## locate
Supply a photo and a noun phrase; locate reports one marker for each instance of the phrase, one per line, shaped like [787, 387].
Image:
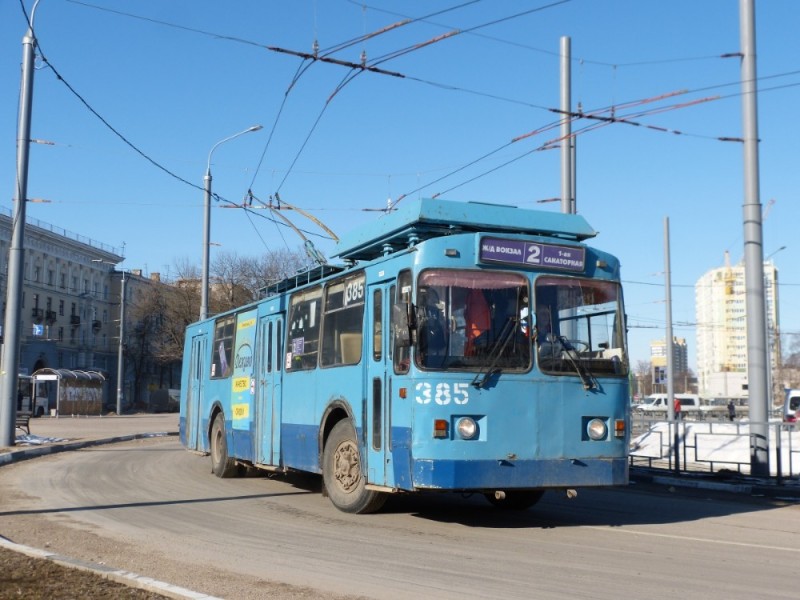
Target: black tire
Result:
[515, 499]
[221, 464]
[341, 473]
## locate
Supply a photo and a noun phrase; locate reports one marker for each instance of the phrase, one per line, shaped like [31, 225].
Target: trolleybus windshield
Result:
[579, 326]
[472, 320]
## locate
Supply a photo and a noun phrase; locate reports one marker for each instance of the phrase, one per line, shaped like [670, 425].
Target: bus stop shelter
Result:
[77, 392]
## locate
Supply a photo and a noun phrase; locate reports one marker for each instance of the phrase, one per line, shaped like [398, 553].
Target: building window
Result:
[61, 308]
[63, 281]
[60, 334]
[50, 277]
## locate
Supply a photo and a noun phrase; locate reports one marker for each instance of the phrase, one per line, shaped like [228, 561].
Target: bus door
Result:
[377, 421]
[194, 395]
[268, 390]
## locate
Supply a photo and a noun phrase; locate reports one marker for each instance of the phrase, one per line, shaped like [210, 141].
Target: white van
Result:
[659, 403]
[791, 407]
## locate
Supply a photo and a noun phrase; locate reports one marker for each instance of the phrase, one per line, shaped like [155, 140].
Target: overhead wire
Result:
[326, 55]
[424, 19]
[305, 55]
[551, 52]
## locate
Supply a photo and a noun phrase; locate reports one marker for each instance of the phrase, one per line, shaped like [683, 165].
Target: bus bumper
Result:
[519, 474]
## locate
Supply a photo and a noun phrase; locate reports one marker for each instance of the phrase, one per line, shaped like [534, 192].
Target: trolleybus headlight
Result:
[596, 429]
[467, 428]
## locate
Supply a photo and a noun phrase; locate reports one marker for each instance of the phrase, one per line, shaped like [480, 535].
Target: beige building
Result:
[722, 329]
[70, 302]
[680, 355]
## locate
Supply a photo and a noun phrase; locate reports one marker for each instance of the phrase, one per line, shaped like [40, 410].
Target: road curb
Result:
[117, 575]
[749, 488]
[24, 453]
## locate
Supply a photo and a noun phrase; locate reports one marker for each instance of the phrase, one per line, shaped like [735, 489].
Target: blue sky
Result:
[173, 91]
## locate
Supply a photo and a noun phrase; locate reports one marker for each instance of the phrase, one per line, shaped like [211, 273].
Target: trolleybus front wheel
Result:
[222, 465]
[514, 499]
[341, 472]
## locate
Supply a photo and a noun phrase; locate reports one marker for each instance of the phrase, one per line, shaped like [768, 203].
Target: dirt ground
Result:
[23, 576]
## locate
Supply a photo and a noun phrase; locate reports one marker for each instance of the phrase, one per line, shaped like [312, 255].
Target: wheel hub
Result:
[347, 469]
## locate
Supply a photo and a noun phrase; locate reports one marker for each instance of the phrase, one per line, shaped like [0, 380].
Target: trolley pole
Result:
[9, 369]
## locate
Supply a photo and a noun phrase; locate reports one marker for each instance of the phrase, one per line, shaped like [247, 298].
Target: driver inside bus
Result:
[432, 340]
[543, 332]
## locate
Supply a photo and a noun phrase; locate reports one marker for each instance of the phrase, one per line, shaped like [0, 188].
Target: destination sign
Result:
[532, 254]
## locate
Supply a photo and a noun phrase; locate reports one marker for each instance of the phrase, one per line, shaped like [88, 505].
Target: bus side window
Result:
[223, 346]
[343, 322]
[278, 340]
[402, 354]
[269, 348]
[377, 330]
[303, 330]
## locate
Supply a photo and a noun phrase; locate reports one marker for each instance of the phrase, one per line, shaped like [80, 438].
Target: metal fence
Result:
[712, 446]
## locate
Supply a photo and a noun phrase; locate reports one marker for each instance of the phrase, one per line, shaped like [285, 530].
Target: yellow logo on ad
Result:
[241, 411]
[241, 384]
[247, 323]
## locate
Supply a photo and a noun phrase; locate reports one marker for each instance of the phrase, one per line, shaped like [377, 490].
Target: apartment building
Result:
[71, 305]
[722, 329]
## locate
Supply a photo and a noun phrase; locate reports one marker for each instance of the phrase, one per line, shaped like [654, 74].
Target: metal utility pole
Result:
[668, 345]
[9, 369]
[121, 346]
[566, 128]
[753, 251]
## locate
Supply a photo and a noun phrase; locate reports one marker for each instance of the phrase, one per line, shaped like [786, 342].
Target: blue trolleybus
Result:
[461, 347]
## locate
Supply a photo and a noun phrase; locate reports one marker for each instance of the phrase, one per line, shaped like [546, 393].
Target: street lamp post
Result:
[207, 221]
[120, 344]
[16, 256]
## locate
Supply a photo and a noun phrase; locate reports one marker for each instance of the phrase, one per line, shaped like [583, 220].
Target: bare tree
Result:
[229, 283]
[643, 373]
[237, 280]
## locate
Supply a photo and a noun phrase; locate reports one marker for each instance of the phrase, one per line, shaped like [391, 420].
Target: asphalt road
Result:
[151, 507]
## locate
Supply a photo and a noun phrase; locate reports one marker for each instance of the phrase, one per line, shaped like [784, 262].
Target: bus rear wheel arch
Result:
[342, 474]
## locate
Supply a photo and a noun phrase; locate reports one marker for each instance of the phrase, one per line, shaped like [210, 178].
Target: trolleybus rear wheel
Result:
[341, 472]
[515, 499]
[221, 464]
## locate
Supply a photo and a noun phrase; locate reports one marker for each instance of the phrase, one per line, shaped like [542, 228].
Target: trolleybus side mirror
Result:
[403, 323]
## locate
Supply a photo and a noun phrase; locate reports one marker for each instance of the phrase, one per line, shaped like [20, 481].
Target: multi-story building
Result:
[722, 329]
[680, 360]
[680, 355]
[70, 309]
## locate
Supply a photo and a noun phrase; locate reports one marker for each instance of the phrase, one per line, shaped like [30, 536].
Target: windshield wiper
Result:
[574, 359]
[481, 379]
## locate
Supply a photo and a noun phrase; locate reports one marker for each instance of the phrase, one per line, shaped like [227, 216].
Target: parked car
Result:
[659, 403]
[791, 406]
